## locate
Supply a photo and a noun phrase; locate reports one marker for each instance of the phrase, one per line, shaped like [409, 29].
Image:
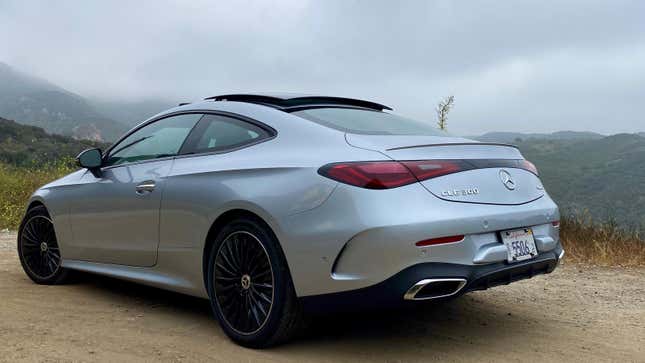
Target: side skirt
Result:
[149, 276]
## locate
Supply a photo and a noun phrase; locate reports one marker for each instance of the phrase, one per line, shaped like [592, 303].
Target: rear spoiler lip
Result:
[454, 144]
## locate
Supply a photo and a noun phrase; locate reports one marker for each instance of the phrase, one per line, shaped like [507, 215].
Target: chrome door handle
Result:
[145, 187]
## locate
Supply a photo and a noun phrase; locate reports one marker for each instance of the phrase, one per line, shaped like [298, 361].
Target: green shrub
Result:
[18, 183]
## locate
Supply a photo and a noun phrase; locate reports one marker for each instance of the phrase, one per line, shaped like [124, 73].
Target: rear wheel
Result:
[38, 248]
[250, 287]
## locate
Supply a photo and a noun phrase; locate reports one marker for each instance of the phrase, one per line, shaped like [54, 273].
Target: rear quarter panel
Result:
[275, 179]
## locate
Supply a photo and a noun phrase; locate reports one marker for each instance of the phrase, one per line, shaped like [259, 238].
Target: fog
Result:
[512, 66]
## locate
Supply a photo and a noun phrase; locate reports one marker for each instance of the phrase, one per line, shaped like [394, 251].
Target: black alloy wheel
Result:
[250, 286]
[243, 282]
[38, 248]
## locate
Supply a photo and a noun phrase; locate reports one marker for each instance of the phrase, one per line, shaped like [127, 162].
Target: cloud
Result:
[525, 66]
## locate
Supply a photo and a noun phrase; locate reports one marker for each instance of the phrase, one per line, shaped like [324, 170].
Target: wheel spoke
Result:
[28, 231]
[258, 276]
[229, 255]
[229, 272]
[254, 310]
[232, 266]
[55, 257]
[257, 303]
[263, 296]
[264, 286]
[28, 240]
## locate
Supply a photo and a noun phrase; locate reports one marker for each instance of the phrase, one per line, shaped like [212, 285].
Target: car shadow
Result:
[474, 320]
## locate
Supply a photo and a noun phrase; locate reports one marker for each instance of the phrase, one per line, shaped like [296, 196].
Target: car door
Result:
[115, 215]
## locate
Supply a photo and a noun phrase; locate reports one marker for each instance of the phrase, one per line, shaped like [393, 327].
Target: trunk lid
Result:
[493, 180]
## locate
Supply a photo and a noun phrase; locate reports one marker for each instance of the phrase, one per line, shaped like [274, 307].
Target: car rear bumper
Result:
[395, 291]
[359, 238]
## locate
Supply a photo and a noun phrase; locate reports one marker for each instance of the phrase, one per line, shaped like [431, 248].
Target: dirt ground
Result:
[575, 314]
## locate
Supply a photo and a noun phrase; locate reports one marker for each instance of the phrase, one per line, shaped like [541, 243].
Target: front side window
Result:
[217, 133]
[361, 121]
[159, 139]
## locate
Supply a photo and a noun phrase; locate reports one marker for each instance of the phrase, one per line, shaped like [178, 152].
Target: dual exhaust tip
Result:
[434, 288]
[427, 289]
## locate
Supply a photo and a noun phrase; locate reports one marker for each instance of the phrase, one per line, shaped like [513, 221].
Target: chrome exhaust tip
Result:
[560, 257]
[434, 288]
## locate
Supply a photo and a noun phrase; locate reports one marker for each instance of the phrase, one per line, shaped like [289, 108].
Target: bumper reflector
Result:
[440, 240]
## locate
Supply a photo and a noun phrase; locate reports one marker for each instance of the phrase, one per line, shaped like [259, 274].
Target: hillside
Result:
[131, 113]
[513, 137]
[37, 102]
[602, 176]
[22, 145]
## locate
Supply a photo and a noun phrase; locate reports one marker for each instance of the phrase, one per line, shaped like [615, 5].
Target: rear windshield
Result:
[361, 121]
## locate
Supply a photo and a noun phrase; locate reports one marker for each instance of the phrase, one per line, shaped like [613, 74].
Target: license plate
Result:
[520, 244]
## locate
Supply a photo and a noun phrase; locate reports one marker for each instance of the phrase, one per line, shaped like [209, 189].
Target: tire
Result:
[38, 248]
[245, 259]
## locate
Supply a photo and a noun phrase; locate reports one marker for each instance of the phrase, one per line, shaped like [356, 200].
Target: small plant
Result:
[443, 108]
[18, 183]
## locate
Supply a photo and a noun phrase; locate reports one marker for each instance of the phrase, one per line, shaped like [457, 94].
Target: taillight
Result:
[388, 174]
[370, 175]
[428, 169]
[527, 165]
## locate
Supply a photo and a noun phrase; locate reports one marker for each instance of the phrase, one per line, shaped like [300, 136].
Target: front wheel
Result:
[38, 248]
[250, 287]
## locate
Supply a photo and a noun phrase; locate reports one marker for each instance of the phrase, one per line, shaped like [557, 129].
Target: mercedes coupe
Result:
[275, 205]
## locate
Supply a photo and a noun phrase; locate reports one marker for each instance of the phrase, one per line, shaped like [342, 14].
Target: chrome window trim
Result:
[273, 133]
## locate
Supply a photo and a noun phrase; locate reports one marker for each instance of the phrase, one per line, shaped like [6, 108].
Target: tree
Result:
[443, 108]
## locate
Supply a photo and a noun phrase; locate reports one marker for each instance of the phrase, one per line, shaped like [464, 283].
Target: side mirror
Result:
[90, 159]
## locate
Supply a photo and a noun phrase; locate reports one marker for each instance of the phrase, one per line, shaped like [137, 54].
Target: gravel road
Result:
[578, 313]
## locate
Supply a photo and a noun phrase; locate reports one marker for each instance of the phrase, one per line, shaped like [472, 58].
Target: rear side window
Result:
[361, 121]
[219, 133]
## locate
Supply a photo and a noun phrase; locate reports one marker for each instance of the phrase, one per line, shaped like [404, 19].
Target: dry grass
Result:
[603, 244]
[17, 185]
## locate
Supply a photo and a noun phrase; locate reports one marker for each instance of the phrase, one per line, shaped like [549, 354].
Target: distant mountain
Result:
[23, 145]
[603, 176]
[513, 137]
[37, 102]
[131, 113]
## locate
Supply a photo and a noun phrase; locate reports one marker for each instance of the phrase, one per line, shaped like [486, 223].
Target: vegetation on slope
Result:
[603, 177]
[22, 145]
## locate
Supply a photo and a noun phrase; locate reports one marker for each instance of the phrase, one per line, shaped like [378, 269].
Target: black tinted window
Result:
[216, 133]
[159, 139]
[359, 121]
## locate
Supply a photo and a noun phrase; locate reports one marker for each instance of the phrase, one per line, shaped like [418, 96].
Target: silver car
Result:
[276, 205]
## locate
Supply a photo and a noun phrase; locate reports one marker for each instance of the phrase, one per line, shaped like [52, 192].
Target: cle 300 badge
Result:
[460, 192]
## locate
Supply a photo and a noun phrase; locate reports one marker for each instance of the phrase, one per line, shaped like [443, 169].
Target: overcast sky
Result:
[511, 65]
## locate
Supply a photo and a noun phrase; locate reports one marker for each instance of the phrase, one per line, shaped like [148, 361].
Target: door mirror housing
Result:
[91, 159]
